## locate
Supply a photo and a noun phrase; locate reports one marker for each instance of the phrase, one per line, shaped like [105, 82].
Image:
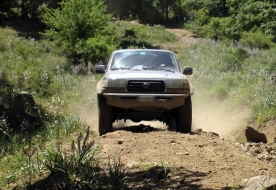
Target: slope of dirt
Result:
[161, 159]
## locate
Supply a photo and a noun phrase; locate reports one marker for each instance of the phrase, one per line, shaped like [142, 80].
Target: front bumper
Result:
[160, 101]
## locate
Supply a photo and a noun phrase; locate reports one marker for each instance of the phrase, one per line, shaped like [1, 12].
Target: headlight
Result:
[177, 83]
[117, 83]
[178, 86]
[105, 82]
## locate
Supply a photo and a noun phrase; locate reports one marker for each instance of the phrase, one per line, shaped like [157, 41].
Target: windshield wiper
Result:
[166, 70]
[157, 69]
[120, 68]
[149, 68]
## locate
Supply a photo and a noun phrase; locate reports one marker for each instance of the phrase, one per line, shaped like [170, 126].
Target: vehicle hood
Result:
[144, 75]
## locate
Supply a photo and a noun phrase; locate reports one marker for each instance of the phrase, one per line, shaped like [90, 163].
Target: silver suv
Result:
[144, 84]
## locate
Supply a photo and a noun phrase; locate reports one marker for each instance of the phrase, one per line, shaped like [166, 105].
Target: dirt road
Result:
[161, 159]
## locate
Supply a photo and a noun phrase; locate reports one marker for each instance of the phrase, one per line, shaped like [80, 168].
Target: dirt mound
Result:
[161, 159]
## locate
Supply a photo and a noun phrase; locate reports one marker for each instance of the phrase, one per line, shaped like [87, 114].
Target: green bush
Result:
[76, 25]
[218, 29]
[137, 35]
[233, 59]
[79, 168]
[256, 39]
[202, 17]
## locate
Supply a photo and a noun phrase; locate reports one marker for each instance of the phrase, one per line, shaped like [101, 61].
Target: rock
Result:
[213, 134]
[252, 135]
[258, 183]
[197, 131]
[163, 173]
[272, 79]
[132, 164]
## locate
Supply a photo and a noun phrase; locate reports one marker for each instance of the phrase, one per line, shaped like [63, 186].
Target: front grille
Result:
[145, 86]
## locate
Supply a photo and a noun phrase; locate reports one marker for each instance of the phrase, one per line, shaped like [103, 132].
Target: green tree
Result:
[6, 10]
[255, 14]
[146, 11]
[32, 8]
[79, 27]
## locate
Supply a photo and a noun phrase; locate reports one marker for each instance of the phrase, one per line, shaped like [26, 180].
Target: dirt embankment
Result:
[156, 159]
[209, 158]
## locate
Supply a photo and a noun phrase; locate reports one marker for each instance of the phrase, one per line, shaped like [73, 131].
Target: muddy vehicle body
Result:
[144, 85]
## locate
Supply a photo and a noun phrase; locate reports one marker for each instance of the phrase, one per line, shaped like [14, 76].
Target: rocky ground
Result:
[161, 159]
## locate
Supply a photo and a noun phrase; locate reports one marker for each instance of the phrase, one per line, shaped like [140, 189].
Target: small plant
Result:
[116, 175]
[76, 168]
[165, 169]
[161, 170]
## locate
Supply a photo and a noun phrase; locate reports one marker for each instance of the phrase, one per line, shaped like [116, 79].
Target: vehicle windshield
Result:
[144, 60]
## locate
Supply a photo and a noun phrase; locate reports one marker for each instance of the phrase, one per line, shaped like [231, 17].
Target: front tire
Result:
[184, 116]
[105, 116]
[171, 124]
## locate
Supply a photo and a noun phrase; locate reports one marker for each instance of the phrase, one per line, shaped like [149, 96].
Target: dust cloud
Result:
[212, 117]
[91, 119]
[209, 118]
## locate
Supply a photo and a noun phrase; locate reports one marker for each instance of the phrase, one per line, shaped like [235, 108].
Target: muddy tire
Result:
[105, 116]
[183, 116]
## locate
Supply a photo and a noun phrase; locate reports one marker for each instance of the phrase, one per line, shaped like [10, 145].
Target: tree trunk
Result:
[24, 10]
[167, 9]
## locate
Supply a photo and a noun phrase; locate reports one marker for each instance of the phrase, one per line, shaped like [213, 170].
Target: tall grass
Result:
[234, 76]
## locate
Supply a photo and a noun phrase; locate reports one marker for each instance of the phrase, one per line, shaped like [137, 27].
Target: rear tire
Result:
[171, 124]
[105, 116]
[184, 116]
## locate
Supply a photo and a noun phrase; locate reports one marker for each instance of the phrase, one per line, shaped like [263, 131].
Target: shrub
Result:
[76, 25]
[137, 35]
[202, 17]
[256, 39]
[79, 168]
[233, 59]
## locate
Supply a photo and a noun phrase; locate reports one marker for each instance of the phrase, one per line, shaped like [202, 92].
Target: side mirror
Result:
[100, 69]
[188, 70]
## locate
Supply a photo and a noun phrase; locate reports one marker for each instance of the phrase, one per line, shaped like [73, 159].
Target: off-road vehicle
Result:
[144, 84]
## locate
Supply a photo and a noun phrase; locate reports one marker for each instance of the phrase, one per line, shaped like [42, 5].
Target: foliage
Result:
[138, 35]
[117, 175]
[256, 39]
[6, 10]
[217, 29]
[229, 19]
[254, 14]
[232, 19]
[77, 169]
[233, 76]
[233, 60]
[147, 11]
[79, 28]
